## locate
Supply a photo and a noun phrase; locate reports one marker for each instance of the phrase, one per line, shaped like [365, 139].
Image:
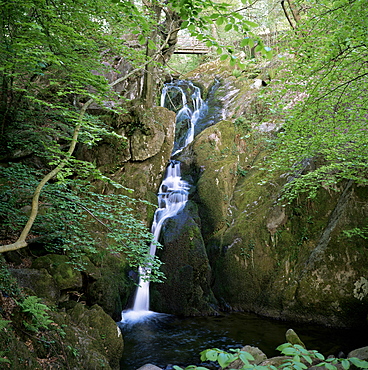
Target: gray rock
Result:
[149, 367]
[361, 353]
[258, 355]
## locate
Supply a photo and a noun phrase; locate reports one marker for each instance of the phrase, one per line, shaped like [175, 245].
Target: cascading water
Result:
[173, 191]
[174, 97]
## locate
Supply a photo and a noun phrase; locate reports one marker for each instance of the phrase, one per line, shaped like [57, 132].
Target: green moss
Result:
[59, 267]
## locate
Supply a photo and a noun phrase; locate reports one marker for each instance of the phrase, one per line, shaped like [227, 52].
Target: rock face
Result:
[297, 262]
[292, 262]
[186, 290]
[139, 160]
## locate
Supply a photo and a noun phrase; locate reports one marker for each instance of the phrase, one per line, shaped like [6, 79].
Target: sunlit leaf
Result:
[251, 24]
[220, 21]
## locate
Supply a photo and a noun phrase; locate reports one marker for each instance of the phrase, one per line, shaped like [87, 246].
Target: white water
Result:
[172, 196]
[192, 115]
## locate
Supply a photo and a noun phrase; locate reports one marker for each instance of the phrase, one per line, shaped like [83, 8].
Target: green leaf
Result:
[251, 24]
[228, 27]
[281, 347]
[211, 355]
[4, 323]
[141, 39]
[289, 351]
[307, 358]
[246, 356]
[345, 364]
[224, 56]
[151, 45]
[220, 21]
[224, 359]
[358, 362]
[319, 356]
[330, 366]
[259, 47]
[244, 42]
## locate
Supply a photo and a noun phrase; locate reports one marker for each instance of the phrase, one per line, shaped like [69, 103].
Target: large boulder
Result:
[186, 290]
[361, 353]
[59, 267]
[38, 282]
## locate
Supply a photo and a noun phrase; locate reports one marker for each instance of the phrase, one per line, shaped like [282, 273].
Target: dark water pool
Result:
[166, 339]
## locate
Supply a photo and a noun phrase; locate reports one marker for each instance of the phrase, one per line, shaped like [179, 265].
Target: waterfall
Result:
[173, 191]
[188, 111]
[172, 196]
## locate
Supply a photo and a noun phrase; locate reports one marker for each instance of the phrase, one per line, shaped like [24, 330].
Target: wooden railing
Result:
[190, 45]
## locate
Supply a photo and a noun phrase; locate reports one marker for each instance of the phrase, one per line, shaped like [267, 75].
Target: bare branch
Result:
[286, 14]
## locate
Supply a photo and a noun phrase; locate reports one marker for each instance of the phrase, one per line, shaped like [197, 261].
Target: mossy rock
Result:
[107, 338]
[112, 288]
[19, 355]
[62, 271]
[38, 282]
[215, 154]
[155, 128]
[186, 289]
[265, 261]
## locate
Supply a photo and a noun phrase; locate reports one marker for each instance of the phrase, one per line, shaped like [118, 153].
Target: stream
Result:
[167, 339]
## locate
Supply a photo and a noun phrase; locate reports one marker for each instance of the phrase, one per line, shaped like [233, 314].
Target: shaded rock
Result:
[361, 353]
[108, 153]
[103, 338]
[156, 126]
[257, 354]
[275, 361]
[40, 282]
[277, 218]
[19, 355]
[145, 173]
[294, 262]
[149, 367]
[58, 266]
[112, 288]
[186, 290]
[214, 155]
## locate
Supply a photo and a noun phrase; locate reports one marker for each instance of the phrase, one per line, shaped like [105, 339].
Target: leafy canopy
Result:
[326, 80]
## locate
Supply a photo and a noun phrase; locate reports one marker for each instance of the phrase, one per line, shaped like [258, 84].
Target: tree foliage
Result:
[326, 81]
